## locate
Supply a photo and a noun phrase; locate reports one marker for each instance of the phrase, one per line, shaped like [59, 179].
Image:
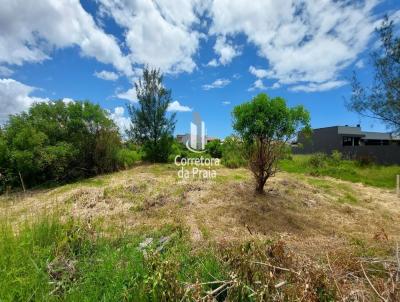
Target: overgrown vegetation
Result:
[52, 261]
[214, 148]
[233, 153]
[321, 164]
[58, 142]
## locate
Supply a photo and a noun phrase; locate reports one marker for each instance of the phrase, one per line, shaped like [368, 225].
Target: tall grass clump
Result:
[54, 261]
[24, 257]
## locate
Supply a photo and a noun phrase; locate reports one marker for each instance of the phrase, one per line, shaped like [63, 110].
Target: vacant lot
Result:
[145, 235]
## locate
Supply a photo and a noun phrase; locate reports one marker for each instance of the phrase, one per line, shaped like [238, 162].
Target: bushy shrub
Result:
[233, 153]
[160, 151]
[180, 151]
[214, 148]
[318, 160]
[126, 157]
[57, 142]
[108, 143]
[336, 157]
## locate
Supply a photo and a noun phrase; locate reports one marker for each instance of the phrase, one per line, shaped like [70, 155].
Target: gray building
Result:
[352, 142]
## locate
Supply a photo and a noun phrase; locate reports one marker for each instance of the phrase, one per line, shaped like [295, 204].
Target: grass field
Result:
[373, 175]
[145, 235]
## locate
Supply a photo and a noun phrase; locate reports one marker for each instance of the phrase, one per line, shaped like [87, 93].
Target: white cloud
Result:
[258, 84]
[303, 41]
[360, 64]
[160, 33]
[31, 29]
[276, 85]
[213, 63]
[175, 106]
[106, 75]
[259, 73]
[312, 87]
[68, 100]
[226, 103]
[120, 119]
[219, 83]
[15, 97]
[225, 50]
[5, 71]
[129, 95]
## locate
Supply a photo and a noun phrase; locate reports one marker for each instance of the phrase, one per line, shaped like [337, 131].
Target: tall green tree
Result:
[265, 126]
[150, 124]
[382, 99]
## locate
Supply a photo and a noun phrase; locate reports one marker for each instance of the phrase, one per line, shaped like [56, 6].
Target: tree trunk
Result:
[260, 185]
[22, 181]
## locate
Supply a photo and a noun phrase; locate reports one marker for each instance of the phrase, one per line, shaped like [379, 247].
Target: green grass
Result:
[50, 260]
[54, 261]
[348, 198]
[373, 175]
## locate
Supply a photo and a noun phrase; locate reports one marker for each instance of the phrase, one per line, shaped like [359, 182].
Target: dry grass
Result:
[322, 219]
[304, 210]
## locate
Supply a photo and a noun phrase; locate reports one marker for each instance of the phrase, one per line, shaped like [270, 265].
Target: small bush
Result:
[159, 152]
[336, 157]
[214, 148]
[318, 160]
[126, 158]
[233, 153]
[180, 150]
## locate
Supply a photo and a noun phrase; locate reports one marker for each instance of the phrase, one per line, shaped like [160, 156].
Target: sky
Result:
[214, 54]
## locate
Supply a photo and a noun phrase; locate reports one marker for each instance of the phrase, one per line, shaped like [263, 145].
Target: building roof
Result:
[377, 135]
[367, 135]
[350, 130]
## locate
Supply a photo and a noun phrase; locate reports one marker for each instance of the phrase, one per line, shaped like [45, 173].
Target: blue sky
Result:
[215, 54]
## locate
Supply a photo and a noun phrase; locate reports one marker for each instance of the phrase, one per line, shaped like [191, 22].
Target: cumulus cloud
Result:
[213, 63]
[225, 50]
[258, 85]
[129, 95]
[219, 83]
[175, 106]
[15, 97]
[304, 42]
[106, 75]
[160, 33]
[118, 116]
[226, 103]
[30, 30]
[318, 87]
[259, 73]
